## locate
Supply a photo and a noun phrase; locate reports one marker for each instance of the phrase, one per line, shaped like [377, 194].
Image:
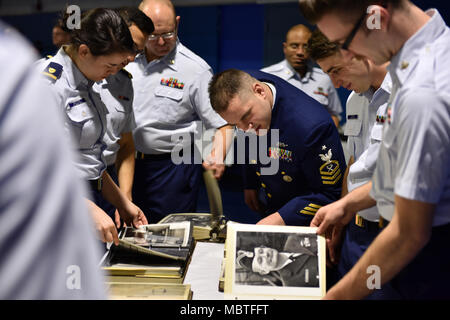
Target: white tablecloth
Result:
[204, 271]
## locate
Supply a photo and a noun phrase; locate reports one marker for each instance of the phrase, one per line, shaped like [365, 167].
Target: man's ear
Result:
[258, 89]
[83, 51]
[177, 19]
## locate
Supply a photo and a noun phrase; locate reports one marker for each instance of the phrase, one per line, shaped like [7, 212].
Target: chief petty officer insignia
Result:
[53, 71]
[329, 171]
[172, 82]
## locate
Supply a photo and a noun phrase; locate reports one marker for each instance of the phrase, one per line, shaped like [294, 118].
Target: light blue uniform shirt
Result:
[414, 157]
[49, 250]
[116, 92]
[365, 114]
[316, 83]
[85, 115]
[170, 96]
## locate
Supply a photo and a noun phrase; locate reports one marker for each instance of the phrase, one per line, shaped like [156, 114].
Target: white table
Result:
[204, 271]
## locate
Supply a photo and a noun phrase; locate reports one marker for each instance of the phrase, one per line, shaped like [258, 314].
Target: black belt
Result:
[161, 156]
[366, 224]
[96, 184]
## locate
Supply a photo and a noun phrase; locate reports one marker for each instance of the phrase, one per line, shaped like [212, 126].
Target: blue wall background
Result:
[246, 36]
[238, 36]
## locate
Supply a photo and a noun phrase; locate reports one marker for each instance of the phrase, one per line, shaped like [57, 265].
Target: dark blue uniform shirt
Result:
[309, 150]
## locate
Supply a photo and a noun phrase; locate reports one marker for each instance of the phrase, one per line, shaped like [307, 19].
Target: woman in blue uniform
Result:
[102, 44]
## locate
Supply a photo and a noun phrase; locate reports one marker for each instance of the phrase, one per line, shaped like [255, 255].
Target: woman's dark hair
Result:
[135, 16]
[104, 32]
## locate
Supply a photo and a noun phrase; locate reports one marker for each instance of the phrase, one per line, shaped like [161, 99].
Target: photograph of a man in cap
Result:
[285, 260]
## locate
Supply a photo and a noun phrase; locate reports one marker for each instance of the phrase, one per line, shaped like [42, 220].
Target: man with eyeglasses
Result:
[171, 95]
[299, 71]
[366, 107]
[411, 183]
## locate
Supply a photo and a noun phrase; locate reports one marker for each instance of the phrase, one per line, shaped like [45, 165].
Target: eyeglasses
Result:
[352, 34]
[165, 36]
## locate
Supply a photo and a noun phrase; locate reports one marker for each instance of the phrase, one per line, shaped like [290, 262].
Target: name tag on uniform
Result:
[352, 117]
[73, 104]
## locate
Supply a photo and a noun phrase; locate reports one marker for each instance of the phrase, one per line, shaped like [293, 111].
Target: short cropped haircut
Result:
[135, 16]
[225, 85]
[319, 47]
[314, 10]
[104, 32]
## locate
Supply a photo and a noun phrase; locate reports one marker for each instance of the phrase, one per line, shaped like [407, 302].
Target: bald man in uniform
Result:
[299, 70]
[171, 98]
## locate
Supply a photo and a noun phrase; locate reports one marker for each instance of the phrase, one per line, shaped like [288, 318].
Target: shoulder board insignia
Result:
[129, 75]
[53, 71]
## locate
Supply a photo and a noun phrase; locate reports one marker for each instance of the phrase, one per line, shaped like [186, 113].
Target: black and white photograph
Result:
[197, 219]
[276, 261]
[162, 235]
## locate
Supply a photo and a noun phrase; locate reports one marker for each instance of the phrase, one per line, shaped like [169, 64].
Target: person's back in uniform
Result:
[47, 246]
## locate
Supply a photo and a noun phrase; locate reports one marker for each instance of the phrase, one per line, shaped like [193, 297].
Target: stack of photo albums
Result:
[150, 262]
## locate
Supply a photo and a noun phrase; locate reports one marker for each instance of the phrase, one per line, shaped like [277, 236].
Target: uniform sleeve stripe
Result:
[310, 209]
[332, 182]
[338, 172]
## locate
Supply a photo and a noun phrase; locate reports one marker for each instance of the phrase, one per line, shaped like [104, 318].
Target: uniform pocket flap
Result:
[353, 127]
[79, 111]
[171, 93]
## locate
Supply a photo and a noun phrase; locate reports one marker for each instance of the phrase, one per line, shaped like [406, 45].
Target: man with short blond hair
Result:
[308, 149]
